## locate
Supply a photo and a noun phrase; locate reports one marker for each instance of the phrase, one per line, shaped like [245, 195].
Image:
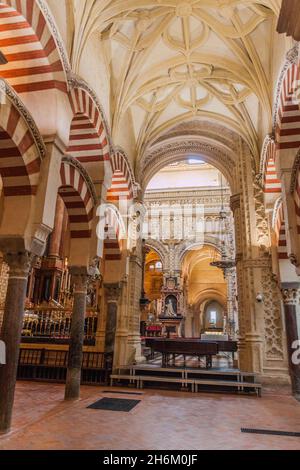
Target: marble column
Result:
[19, 266]
[291, 300]
[112, 294]
[230, 275]
[79, 281]
[56, 235]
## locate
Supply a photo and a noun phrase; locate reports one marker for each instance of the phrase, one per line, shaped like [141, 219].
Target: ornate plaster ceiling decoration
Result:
[172, 60]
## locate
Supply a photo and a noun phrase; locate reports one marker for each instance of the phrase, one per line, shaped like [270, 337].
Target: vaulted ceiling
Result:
[172, 61]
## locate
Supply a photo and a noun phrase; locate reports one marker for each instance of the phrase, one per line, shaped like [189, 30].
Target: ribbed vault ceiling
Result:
[172, 61]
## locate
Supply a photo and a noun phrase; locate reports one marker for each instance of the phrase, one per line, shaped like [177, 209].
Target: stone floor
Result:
[163, 420]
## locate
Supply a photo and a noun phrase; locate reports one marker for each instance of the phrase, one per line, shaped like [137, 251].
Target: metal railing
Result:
[55, 324]
[51, 366]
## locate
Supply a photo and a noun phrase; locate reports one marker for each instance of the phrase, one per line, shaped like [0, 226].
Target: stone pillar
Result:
[112, 293]
[55, 237]
[121, 335]
[189, 320]
[235, 203]
[134, 347]
[19, 266]
[232, 324]
[79, 280]
[291, 300]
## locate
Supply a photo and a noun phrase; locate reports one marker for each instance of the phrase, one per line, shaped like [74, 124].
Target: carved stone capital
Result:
[19, 264]
[80, 277]
[290, 296]
[112, 292]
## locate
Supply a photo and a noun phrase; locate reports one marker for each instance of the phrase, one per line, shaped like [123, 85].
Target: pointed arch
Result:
[288, 112]
[89, 134]
[21, 146]
[160, 249]
[271, 181]
[113, 232]
[77, 192]
[31, 44]
[280, 230]
[123, 184]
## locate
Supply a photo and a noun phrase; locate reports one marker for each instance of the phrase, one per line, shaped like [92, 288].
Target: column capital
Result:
[290, 294]
[19, 263]
[79, 276]
[113, 292]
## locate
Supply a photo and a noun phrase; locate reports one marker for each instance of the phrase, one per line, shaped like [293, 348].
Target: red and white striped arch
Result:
[28, 43]
[280, 232]
[113, 231]
[76, 192]
[122, 181]
[88, 137]
[288, 119]
[20, 157]
[272, 184]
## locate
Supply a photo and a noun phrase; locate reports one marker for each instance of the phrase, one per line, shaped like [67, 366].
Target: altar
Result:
[171, 316]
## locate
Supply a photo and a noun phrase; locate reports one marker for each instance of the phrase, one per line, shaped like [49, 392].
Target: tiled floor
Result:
[163, 420]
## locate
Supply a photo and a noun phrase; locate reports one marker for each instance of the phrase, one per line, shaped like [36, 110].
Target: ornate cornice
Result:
[211, 196]
[75, 163]
[292, 57]
[78, 82]
[12, 96]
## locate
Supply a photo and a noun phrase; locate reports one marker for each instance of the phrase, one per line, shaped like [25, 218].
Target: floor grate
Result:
[270, 432]
[122, 393]
[114, 404]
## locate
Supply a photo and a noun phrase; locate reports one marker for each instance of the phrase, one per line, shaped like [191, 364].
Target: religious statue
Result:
[170, 312]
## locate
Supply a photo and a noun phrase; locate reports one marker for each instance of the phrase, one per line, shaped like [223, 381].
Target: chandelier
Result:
[225, 263]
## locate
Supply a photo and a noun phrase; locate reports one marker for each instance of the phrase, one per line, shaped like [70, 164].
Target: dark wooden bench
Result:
[51, 366]
[185, 348]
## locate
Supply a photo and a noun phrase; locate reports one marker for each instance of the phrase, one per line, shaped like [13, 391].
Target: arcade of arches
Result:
[150, 184]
